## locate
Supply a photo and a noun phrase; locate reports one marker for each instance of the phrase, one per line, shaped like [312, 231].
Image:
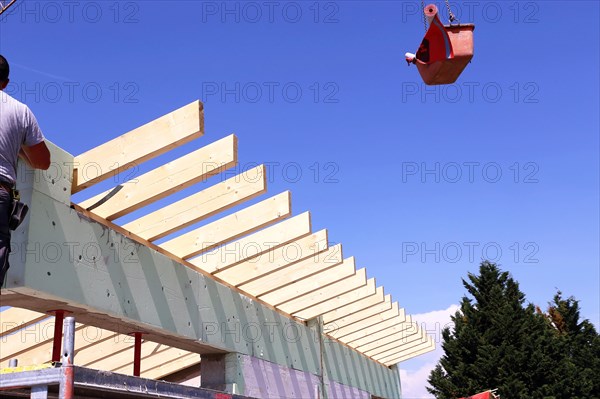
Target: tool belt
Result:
[18, 212]
[18, 209]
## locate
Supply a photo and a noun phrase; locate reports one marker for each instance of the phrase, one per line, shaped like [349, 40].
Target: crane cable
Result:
[5, 7]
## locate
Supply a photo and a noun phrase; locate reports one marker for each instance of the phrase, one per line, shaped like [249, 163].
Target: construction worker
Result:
[20, 137]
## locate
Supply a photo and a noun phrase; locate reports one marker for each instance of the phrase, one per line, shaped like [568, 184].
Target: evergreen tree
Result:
[498, 341]
[579, 344]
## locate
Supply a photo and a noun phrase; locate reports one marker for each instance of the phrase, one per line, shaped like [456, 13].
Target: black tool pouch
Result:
[19, 211]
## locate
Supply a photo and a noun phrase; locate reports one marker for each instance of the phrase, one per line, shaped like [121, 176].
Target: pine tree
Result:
[498, 341]
[579, 344]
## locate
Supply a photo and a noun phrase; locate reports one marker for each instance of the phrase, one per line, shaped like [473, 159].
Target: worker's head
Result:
[4, 71]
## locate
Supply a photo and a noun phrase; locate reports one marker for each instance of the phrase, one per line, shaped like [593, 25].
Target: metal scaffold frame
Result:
[66, 381]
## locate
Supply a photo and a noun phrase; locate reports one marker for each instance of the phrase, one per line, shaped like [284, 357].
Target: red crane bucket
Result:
[449, 48]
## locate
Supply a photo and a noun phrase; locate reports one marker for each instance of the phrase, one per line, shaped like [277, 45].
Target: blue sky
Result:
[418, 183]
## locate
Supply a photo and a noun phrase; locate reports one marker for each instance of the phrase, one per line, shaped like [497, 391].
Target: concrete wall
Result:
[62, 260]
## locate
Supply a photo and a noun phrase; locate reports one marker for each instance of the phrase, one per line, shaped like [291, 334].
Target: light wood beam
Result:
[275, 259]
[395, 338]
[401, 358]
[154, 359]
[315, 282]
[341, 332]
[112, 345]
[165, 180]
[295, 272]
[208, 202]
[399, 345]
[28, 339]
[353, 317]
[254, 245]
[14, 319]
[326, 293]
[406, 327]
[414, 351]
[139, 145]
[172, 366]
[339, 301]
[369, 331]
[125, 356]
[354, 307]
[85, 337]
[230, 227]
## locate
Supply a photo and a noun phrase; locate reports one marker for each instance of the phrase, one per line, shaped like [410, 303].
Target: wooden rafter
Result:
[327, 291]
[336, 302]
[230, 227]
[411, 342]
[165, 180]
[356, 316]
[419, 349]
[317, 281]
[406, 327]
[275, 259]
[398, 338]
[294, 272]
[200, 206]
[139, 145]
[247, 251]
[341, 332]
[254, 245]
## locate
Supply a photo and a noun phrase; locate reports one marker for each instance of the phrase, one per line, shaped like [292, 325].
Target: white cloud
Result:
[414, 372]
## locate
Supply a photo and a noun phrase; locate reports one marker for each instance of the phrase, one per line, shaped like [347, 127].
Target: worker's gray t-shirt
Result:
[18, 127]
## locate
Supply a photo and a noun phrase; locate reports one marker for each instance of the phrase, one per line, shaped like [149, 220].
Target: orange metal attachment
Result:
[447, 71]
[445, 50]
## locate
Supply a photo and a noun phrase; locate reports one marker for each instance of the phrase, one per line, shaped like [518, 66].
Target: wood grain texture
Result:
[406, 327]
[294, 272]
[166, 179]
[139, 145]
[327, 290]
[230, 227]
[254, 245]
[275, 259]
[358, 315]
[200, 206]
[317, 281]
[336, 302]
[341, 332]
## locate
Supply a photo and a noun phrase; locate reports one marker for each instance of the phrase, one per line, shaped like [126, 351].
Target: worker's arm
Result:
[37, 156]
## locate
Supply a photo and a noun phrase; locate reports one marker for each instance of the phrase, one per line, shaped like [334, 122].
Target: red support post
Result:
[137, 354]
[59, 316]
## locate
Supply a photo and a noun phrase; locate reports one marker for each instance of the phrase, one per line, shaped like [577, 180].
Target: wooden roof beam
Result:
[341, 332]
[275, 259]
[139, 145]
[314, 282]
[202, 205]
[339, 301]
[165, 180]
[294, 272]
[230, 227]
[254, 246]
[353, 317]
[327, 292]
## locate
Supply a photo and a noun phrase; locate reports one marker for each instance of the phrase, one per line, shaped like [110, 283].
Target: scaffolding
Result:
[66, 381]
